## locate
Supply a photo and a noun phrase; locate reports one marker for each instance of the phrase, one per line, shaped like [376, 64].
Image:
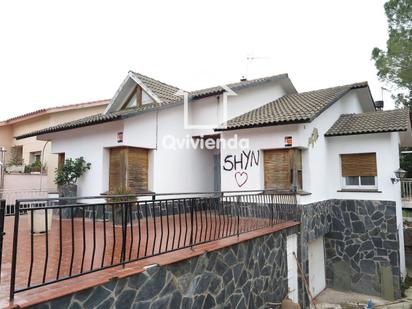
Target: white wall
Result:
[387, 162]
[259, 140]
[315, 170]
[170, 170]
[208, 111]
[140, 130]
[89, 142]
[313, 158]
[179, 170]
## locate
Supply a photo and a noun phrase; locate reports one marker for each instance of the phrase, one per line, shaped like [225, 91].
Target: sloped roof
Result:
[164, 91]
[236, 86]
[371, 122]
[54, 109]
[292, 108]
[97, 119]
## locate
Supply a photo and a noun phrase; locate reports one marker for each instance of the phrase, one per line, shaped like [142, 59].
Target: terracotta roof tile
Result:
[164, 91]
[293, 108]
[372, 122]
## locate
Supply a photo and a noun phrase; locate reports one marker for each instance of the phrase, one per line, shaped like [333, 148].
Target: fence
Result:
[10, 197]
[406, 187]
[58, 239]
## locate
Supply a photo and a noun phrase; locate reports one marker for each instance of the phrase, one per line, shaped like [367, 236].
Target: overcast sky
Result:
[53, 54]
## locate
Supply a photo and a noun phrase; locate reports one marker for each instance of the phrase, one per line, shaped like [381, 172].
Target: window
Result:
[128, 169]
[359, 171]
[283, 169]
[35, 156]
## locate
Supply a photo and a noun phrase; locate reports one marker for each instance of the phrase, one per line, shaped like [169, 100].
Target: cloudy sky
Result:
[55, 52]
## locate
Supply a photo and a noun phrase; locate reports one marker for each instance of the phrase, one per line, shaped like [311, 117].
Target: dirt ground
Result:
[332, 299]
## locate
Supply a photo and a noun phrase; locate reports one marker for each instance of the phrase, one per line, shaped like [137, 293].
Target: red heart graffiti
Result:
[241, 178]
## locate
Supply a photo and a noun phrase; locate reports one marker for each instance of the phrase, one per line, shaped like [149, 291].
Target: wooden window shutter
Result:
[117, 169]
[128, 169]
[277, 169]
[137, 170]
[359, 164]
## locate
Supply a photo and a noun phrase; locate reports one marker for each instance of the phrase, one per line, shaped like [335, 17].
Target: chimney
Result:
[379, 105]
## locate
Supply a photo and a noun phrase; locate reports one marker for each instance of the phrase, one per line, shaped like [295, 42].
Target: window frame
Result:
[294, 165]
[359, 187]
[35, 156]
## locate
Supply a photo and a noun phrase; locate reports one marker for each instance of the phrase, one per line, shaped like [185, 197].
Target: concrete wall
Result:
[244, 275]
[17, 182]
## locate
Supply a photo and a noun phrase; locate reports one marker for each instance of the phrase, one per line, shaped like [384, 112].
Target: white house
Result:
[328, 144]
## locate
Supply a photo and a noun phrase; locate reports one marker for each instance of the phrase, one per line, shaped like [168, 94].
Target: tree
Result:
[395, 64]
[15, 157]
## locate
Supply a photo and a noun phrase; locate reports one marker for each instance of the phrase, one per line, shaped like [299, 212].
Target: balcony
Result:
[71, 238]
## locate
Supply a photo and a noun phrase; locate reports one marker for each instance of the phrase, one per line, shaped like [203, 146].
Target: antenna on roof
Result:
[379, 104]
[250, 59]
[382, 90]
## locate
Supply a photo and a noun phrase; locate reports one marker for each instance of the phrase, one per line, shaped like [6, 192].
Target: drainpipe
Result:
[42, 163]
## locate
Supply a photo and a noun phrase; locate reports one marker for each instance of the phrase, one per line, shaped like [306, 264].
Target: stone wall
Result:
[362, 248]
[245, 275]
[361, 245]
[315, 222]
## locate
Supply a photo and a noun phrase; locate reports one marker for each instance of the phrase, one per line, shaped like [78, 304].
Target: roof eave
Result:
[261, 125]
[362, 133]
[120, 117]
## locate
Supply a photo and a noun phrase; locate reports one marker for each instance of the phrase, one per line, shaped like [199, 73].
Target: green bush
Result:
[71, 171]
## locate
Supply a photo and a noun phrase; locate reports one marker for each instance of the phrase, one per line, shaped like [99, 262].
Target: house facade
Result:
[30, 150]
[330, 146]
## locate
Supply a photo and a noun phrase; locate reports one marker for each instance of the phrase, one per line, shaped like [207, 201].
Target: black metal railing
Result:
[58, 239]
[11, 196]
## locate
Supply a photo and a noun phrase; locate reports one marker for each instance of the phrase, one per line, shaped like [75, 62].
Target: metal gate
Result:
[2, 213]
